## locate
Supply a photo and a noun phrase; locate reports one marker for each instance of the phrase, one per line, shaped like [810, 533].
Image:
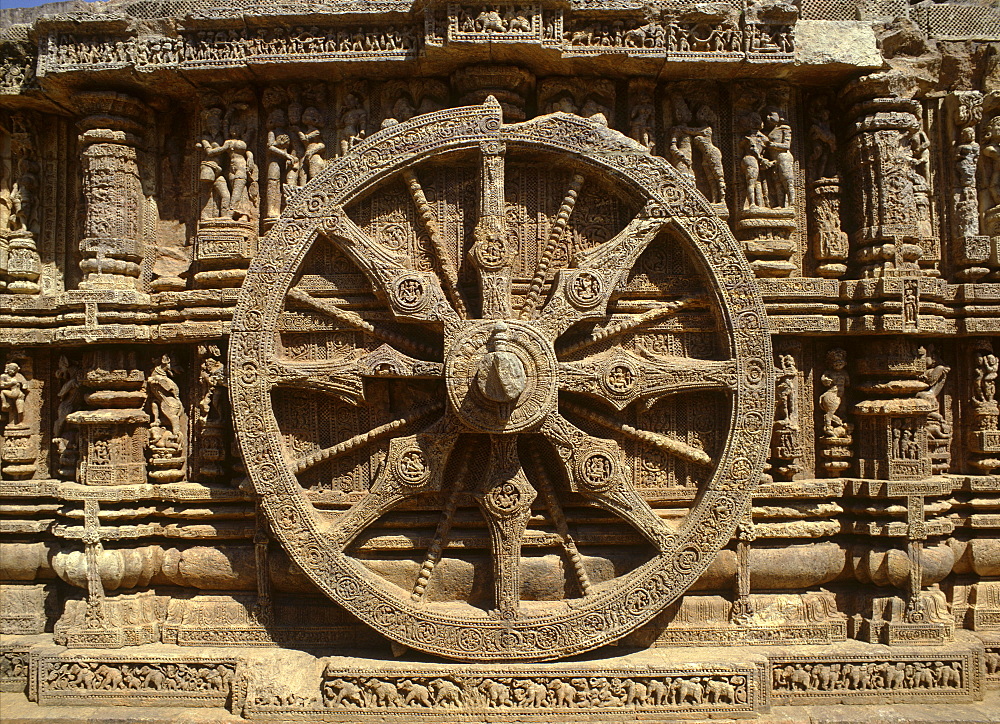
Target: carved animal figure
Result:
[799, 678]
[496, 693]
[532, 693]
[383, 693]
[446, 693]
[948, 675]
[658, 692]
[635, 693]
[720, 692]
[563, 692]
[992, 662]
[340, 693]
[923, 677]
[684, 691]
[415, 693]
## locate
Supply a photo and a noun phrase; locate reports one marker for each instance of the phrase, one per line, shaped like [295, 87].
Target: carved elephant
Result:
[719, 692]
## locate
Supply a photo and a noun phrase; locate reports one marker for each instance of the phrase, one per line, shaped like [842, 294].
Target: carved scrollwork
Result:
[505, 377]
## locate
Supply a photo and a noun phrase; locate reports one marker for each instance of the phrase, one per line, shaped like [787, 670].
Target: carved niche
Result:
[499, 365]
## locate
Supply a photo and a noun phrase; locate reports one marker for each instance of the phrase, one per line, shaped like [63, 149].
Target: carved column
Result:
[892, 423]
[970, 249]
[114, 432]
[111, 134]
[899, 432]
[989, 175]
[884, 160]
[828, 239]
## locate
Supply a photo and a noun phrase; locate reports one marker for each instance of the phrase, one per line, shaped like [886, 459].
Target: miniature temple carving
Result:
[475, 360]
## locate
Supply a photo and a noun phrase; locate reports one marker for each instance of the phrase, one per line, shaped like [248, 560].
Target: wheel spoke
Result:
[559, 520]
[412, 295]
[620, 377]
[505, 497]
[595, 468]
[448, 271]
[491, 252]
[353, 443]
[436, 548]
[339, 379]
[601, 334]
[355, 320]
[387, 361]
[556, 234]
[415, 464]
[583, 292]
[662, 442]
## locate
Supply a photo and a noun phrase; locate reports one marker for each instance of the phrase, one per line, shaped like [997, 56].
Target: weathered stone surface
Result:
[491, 362]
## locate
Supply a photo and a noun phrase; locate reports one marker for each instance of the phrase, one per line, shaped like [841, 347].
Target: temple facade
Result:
[491, 361]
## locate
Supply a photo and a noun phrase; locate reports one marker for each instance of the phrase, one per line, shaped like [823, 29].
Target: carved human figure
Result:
[753, 161]
[823, 158]
[967, 153]
[240, 158]
[966, 160]
[212, 378]
[13, 392]
[211, 173]
[835, 379]
[680, 150]
[990, 166]
[312, 140]
[935, 376]
[69, 393]
[778, 150]
[786, 392]
[984, 381]
[711, 156]
[641, 121]
[24, 198]
[279, 157]
[165, 397]
[920, 156]
[353, 122]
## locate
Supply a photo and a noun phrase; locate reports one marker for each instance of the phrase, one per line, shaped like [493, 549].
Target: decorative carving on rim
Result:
[502, 374]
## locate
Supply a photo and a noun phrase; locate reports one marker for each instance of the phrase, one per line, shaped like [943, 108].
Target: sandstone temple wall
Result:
[491, 335]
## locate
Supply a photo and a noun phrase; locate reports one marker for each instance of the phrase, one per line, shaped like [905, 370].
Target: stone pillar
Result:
[829, 242]
[970, 249]
[110, 135]
[114, 432]
[886, 229]
[989, 176]
[899, 428]
[892, 424]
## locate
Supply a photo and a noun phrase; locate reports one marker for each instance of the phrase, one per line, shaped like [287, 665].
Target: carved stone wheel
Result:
[485, 384]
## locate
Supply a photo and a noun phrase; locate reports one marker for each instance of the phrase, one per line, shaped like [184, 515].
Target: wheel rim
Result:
[502, 378]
